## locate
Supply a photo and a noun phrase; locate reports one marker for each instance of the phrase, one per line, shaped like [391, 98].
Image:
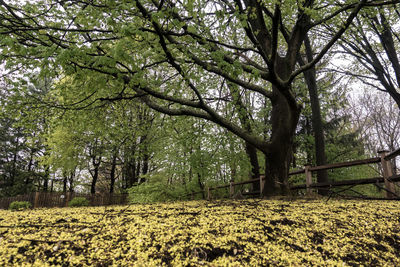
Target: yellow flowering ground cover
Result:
[218, 233]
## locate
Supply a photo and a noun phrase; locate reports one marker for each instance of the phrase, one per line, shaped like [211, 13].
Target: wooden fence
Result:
[57, 199]
[388, 178]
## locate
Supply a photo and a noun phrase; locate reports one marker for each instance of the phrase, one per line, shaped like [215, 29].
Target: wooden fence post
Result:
[36, 201]
[387, 172]
[308, 174]
[231, 189]
[262, 182]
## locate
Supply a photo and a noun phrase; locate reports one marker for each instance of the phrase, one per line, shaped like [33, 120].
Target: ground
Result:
[218, 233]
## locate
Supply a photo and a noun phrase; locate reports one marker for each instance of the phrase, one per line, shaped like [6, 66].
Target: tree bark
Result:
[284, 119]
[112, 173]
[95, 174]
[251, 152]
[94, 181]
[71, 181]
[46, 179]
[65, 180]
[144, 159]
[316, 117]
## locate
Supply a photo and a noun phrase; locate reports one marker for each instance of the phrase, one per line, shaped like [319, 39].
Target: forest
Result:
[199, 132]
[164, 98]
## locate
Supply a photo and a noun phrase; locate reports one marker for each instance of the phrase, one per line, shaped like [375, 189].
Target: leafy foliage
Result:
[20, 205]
[78, 202]
[230, 66]
[227, 62]
[156, 189]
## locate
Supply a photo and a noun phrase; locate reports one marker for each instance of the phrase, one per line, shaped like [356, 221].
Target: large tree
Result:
[180, 58]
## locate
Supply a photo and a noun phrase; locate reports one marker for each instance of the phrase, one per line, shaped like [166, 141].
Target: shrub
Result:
[78, 202]
[155, 189]
[20, 205]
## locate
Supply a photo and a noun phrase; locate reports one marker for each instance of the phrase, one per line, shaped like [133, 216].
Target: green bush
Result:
[155, 189]
[78, 202]
[20, 205]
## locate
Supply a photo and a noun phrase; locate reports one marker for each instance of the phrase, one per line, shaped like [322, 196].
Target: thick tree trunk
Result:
[284, 119]
[277, 171]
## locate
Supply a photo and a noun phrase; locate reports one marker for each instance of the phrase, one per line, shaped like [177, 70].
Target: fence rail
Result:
[393, 154]
[345, 164]
[384, 159]
[57, 199]
[374, 180]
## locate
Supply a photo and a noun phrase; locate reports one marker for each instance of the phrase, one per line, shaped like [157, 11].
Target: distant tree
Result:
[374, 43]
[20, 150]
[378, 118]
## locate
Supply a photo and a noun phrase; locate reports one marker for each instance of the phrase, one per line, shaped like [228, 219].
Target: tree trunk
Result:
[46, 185]
[94, 180]
[251, 152]
[112, 173]
[29, 169]
[95, 174]
[144, 158]
[71, 181]
[133, 175]
[284, 119]
[277, 171]
[138, 167]
[13, 173]
[201, 185]
[311, 80]
[65, 183]
[46, 179]
[52, 186]
[145, 164]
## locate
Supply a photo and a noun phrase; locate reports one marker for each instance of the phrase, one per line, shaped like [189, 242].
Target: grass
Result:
[220, 233]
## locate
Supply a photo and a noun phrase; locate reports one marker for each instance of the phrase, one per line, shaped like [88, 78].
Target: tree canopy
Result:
[233, 63]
